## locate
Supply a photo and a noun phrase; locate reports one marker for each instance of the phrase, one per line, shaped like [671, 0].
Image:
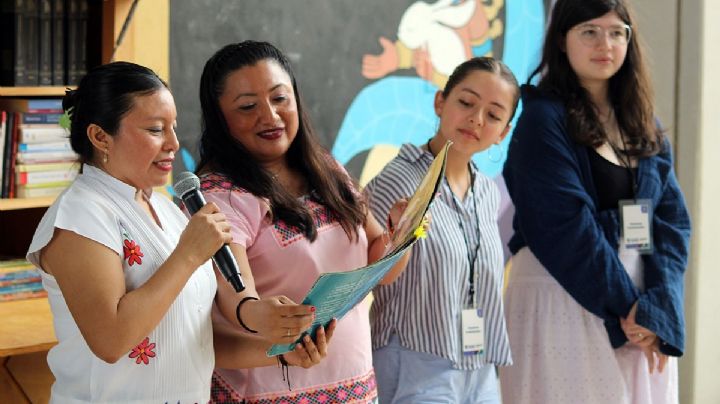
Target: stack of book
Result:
[20, 279]
[37, 159]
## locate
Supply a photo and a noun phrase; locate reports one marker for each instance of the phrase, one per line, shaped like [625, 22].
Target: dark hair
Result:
[486, 64]
[630, 91]
[105, 94]
[220, 151]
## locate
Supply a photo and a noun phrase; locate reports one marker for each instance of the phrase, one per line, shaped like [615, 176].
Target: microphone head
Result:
[186, 181]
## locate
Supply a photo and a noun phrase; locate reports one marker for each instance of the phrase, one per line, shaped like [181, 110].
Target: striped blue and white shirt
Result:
[424, 305]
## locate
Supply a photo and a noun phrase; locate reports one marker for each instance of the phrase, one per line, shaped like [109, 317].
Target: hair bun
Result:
[69, 99]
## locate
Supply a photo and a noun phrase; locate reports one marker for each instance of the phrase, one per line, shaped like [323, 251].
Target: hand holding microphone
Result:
[187, 188]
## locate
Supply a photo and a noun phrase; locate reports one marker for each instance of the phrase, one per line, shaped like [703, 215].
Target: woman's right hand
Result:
[651, 352]
[277, 319]
[205, 233]
[635, 333]
[309, 353]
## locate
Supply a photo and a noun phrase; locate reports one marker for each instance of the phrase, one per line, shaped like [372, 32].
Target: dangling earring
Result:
[105, 156]
[500, 153]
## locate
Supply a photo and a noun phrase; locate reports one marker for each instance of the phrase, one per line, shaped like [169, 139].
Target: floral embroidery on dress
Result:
[143, 352]
[132, 252]
[358, 390]
[321, 214]
[221, 392]
[217, 183]
[284, 233]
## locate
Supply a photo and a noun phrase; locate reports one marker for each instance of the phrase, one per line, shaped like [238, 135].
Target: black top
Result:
[612, 182]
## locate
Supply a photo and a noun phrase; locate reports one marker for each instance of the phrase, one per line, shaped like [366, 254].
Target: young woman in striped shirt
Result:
[427, 326]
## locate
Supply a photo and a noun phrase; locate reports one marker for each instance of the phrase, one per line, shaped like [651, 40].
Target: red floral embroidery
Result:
[132, 252]
[142, 352]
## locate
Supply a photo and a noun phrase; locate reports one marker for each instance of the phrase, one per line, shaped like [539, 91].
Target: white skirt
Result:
[561, 352]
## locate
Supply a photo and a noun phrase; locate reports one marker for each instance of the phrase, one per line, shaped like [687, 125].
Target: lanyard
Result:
[470, 256]
[626, 162]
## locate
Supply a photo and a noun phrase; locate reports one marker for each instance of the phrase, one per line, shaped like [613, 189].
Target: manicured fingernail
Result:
[312, 308]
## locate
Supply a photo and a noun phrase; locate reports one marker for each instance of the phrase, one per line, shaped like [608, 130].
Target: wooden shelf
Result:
[26, 203]
[47, 91]
[27, 327]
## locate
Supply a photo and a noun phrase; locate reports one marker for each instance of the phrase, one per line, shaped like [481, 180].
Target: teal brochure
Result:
[336, 293]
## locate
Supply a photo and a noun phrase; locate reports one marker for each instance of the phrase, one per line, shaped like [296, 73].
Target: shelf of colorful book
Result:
[26, 203]
[33, 91]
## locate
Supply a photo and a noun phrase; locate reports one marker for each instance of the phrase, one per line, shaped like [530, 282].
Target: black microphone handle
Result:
[224, 259]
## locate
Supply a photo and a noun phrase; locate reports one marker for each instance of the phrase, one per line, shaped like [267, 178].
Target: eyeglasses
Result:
[593, 35]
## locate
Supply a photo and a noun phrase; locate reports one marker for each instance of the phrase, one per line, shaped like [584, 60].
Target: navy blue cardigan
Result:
[549, 180]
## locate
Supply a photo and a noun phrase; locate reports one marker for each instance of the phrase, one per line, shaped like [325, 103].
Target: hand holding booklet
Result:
[335, 293]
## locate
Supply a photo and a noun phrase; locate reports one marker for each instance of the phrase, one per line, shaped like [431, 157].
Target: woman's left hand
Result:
[308, 353]
[395, 213]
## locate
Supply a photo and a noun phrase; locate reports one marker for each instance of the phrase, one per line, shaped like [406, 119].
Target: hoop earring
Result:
[500, 153]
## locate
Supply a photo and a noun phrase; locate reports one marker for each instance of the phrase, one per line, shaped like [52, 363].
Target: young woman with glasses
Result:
[594, 303]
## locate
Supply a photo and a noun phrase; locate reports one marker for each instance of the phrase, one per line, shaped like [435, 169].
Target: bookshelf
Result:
[46, 91]
[24, 375]
[25, 203]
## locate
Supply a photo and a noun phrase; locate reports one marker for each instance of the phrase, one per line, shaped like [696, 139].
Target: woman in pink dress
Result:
[294, 214]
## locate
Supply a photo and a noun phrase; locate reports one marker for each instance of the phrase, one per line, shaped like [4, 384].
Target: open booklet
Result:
[336, 293]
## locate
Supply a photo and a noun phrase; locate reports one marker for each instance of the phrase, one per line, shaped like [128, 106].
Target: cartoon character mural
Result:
[433, 38]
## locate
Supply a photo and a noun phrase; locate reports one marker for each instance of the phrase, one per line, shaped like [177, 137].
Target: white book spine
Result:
[43, 135]
[46, 176]
[45, 147]
[45, 157]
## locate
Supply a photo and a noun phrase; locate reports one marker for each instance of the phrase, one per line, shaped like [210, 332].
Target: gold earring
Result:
[105, 157]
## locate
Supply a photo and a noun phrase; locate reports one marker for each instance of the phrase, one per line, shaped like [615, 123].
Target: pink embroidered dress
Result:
[284, 262]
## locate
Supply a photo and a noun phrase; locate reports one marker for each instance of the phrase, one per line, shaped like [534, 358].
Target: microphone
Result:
[188, 188]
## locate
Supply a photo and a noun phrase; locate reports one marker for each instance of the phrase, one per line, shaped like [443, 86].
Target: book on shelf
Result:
[45, 157]
[44, 43]
[45, 177]
[13, 43]
[10, 155]
[77, 11]
[32, 41]
[23, 191]
[3, 119]
[58, 42]
[35, 133]
[45, 147]
[7, 135]
[19, 279]
[14, 264]
[31, 168]
[41, 118]
[35, 105]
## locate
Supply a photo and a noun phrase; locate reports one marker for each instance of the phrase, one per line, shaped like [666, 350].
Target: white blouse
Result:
[174, 363]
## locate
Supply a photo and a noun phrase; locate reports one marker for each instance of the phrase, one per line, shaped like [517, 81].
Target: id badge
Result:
[636, 219]
[473, 331]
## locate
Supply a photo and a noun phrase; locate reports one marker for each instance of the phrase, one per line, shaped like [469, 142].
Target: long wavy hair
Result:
[630, 90]
[220, 151]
